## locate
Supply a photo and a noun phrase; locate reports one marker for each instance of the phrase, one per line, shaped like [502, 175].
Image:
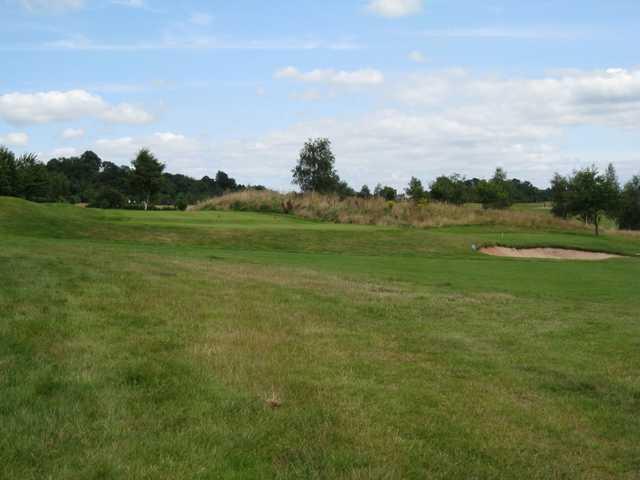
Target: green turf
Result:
[148, 345]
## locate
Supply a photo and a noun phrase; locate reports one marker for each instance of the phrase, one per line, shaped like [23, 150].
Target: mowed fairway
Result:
[219, 345]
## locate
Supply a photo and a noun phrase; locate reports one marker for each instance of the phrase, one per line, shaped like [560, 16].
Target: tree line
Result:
[591, 195]
[89, 179]
[587, 194]
[315, 171]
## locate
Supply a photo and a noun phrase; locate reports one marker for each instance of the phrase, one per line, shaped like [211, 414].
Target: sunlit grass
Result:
[236, 345]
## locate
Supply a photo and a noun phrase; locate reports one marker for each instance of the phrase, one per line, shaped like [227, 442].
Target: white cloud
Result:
[72, 133]
[51, 5]
[130, 3]
[45, 107]
[308, 95]
[444, 122]
[16, 139]
[180, 152]
[118, 146]
[127, 114]
[201, 19]
[417, 57]
[63, 152]
[438, 123]
[188, 42]
[395, 8]
[454, 121]
[355, 78]
[390, 146]
[608, 97]
[522, 33]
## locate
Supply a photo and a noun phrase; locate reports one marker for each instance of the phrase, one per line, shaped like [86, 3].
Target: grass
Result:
[376, 211]
[217, 344]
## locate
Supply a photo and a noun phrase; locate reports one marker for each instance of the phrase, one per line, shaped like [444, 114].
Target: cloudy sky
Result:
[402, 87]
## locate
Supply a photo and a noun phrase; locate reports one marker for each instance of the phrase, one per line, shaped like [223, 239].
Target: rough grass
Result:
[376, 211]
[231, 345]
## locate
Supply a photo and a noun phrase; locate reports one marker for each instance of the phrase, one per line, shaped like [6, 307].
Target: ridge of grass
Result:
[377, 211]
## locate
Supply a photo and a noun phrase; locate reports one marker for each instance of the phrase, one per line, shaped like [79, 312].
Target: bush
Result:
[108, 198]
[181, 203]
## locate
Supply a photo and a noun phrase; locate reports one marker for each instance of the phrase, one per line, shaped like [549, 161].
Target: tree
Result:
[59, 187]
[147, 176]
[364, 192]
[496, 193]
[315, 171]
[90, 164]
[181, 203]
[560, 196]
[386, 192]
[524, 191]
[415, 190]
[611, 191]
[629, 211]
[115, 177]
[32, 178]
[85, 178]
[225, 183]
[109, 198]
[82, 172]
[592, 195]
[449, 189]
[8, 173]
[344, 190]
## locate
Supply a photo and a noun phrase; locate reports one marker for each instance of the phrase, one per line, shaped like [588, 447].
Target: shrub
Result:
[181, 203]
[110, 198]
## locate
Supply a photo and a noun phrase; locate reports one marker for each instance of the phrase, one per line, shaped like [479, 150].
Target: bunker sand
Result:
[547, 253]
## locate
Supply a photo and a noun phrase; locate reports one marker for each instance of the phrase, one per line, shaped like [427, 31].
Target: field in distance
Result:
[221, 344]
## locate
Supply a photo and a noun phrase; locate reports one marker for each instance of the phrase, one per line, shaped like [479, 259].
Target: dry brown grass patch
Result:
[377, 211]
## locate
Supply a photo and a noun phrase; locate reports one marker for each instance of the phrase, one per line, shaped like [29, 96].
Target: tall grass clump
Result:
[377, 211]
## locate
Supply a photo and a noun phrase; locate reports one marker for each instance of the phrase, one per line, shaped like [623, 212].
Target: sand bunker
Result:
[552, 253]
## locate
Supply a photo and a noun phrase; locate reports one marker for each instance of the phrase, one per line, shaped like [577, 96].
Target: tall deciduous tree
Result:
[225, 183]
[32, 178]
[589, 195]
[450, 189]
[315, 171]
[386, 192]
[147, 176]
[497, 192]
[629, 211]
[364, 192]
[560, 196]
[8, 173]
[415, 191]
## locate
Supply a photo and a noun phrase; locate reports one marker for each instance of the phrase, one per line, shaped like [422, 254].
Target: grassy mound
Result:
[376, 211]
[21, 217]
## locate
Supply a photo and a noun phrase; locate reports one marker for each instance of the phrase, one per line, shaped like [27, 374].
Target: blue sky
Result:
[402, 87]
